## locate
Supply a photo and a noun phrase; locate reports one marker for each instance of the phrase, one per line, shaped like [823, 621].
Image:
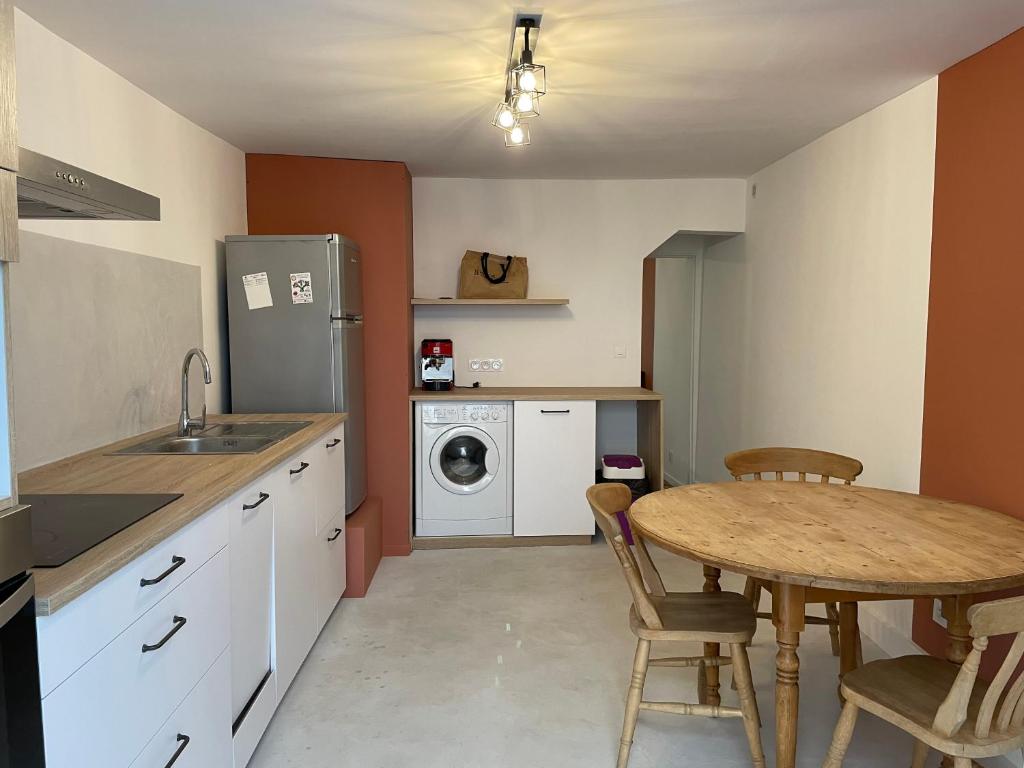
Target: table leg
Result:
[848, 641]
[958, 631]
[788, 617]
[712, 695]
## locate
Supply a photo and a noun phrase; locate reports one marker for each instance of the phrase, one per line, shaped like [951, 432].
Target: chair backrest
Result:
[758, 462]
[997, 617]
[605, 500]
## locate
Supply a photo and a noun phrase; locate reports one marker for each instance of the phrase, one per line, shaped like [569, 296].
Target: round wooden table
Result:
[835, 543]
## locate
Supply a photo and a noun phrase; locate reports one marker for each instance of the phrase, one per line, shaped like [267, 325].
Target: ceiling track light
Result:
[525, 83]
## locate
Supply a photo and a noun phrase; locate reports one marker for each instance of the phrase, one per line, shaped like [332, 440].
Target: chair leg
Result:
[636, 690]
[841, 737]
[920, 755]
[748, 702]
[832, 613]
[702, 683]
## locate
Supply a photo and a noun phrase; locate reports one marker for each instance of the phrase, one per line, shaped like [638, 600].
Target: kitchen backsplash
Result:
[98, 339]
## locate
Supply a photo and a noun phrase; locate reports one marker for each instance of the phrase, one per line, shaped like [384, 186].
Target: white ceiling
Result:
[637, 88]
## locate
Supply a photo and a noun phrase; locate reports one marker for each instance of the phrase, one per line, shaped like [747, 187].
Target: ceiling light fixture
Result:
[525, 83]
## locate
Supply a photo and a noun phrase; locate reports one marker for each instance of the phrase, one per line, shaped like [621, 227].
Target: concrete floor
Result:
[521, 658]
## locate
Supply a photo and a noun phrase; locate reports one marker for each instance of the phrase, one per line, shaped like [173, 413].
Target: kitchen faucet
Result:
[185, 422]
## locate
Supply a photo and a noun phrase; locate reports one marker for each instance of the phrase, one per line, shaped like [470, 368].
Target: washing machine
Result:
[463, 469]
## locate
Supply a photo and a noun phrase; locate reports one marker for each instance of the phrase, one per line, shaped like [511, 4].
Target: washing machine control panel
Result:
[465, 413]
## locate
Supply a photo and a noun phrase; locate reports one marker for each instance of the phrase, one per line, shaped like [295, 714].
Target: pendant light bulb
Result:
[524, 102]
[516, 135]
[527, 81]
[505, 118]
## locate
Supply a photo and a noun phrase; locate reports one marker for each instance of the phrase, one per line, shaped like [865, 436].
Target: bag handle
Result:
[504, 269]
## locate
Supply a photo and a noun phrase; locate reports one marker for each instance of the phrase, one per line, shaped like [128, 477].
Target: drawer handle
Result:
[263, 497]
[303, 466]
[179, 622]
[176, 562]
[334, 442]
[337, 533]
[548, 412]
[181, 748]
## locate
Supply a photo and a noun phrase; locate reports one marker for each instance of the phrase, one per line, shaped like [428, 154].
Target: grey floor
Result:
[521, 657]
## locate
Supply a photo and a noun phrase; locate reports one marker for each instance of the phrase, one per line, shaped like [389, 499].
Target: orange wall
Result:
[973, 433]
[370, 202]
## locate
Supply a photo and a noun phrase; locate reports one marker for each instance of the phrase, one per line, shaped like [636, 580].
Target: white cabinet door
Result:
[293, 487]
[330, 476]
[330, 577]
[251, 536]
[554, 447]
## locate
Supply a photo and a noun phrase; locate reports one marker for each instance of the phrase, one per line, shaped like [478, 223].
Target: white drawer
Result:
[330, 476]
[200, 728]
[78, 631]
[103, 715]
[330, 570]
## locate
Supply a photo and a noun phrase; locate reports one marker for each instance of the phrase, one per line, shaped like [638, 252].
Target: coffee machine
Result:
[437, 365]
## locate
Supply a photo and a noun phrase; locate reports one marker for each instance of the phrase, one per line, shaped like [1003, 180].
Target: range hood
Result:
[50, 189]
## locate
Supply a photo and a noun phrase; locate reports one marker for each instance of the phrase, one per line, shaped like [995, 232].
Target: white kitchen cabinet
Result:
[106, 712]
[553, 446]
[295, 562]
[251, 537]
[330, 575]
[330, 476]
[198, 732]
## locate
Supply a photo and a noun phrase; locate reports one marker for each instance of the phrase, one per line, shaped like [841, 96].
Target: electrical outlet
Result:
[937, 616]
[474, 365]
[497, 364]
[485, 365]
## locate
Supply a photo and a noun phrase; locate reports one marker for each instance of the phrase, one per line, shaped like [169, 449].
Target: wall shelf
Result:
[488, 302]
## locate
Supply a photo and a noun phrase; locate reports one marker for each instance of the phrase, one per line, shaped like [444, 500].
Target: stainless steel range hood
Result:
[50, 189]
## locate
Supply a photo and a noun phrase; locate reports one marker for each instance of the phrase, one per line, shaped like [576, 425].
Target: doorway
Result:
[670, 345]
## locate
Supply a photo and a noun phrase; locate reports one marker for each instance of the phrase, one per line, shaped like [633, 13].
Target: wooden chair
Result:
[942, 705]
[709, 617]
[756, 463]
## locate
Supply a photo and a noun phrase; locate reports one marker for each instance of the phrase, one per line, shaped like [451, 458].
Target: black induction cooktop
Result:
[64, 525]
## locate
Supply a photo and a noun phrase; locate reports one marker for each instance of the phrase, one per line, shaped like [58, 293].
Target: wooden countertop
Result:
[537, 393]
[205, 481]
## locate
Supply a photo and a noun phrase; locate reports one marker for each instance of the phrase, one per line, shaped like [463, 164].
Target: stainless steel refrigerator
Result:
[295, 330]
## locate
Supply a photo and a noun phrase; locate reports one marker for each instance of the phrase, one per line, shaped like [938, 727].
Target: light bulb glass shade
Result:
[504, 117]
[529, 77]
[526, 104]
[519, 136]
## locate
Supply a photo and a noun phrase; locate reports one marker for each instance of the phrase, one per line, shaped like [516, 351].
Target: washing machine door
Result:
[464, 460]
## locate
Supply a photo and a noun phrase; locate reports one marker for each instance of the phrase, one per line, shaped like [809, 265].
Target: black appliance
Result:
[64, 525]
[21, 715]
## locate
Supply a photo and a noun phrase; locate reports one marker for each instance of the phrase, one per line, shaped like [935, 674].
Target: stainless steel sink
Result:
[243, 437]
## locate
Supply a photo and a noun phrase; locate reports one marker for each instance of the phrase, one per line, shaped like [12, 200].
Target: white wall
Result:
[585, 240]
[673, 345]
[74, 108]
[814, 321]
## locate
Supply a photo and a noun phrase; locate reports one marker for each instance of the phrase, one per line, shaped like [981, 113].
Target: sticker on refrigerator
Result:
[302, 288]
[257, 290]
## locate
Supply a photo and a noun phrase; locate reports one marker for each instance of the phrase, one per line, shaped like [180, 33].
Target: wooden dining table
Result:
[834, 543]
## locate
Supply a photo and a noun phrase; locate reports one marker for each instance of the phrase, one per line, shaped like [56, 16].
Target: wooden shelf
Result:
[487, 302]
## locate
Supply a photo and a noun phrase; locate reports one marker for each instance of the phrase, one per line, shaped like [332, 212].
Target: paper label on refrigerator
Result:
[302, 288]
[257, 290]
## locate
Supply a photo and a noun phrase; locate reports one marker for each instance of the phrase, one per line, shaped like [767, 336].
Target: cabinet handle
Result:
[263, 497]
[303, 466]
[176, 562]
[549, 412]
[179, 622]
[181, 748]
[337, 533]
[334, 442]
